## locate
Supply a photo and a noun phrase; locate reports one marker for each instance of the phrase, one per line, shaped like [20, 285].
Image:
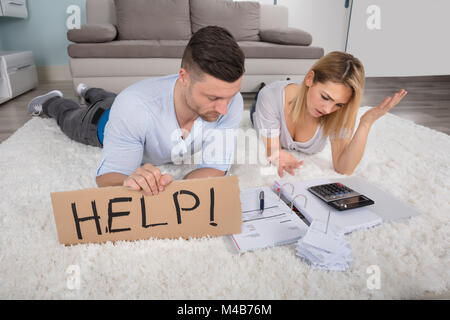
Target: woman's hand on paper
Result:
[149, 179]
[285, 161]
[377, 112]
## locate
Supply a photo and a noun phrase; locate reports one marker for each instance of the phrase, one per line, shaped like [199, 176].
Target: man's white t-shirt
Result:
[143, 128]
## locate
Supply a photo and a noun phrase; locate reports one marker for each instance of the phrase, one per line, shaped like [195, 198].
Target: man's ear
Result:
[184, 77]
[309, 79]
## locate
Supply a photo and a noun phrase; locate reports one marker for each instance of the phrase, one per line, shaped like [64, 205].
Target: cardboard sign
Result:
[186, 208]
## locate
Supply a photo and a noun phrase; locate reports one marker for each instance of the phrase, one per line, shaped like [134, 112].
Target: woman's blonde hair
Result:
[337, 67]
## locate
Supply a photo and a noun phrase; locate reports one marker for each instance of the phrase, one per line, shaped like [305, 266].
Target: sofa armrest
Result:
[93, 33]
[288, 36]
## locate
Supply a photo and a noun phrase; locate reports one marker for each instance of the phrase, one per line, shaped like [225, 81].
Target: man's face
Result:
[209, 97]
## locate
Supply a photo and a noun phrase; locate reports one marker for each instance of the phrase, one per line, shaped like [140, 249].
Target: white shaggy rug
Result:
[410, 161]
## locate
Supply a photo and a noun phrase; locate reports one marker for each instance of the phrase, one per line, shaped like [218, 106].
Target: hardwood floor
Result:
[13, 113]
[427, 102]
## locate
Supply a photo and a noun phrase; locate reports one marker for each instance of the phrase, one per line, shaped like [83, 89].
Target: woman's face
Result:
[325, 98]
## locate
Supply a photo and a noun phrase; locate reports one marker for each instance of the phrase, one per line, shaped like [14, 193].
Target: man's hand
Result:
[149, 179]
[285, 161]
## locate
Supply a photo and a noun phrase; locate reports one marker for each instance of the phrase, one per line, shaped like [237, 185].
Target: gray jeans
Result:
[79, 123]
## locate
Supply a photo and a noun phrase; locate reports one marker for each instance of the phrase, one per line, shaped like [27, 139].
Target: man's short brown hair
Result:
[213, 50]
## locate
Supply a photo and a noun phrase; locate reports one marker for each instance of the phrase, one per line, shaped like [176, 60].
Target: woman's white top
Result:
[270, 121]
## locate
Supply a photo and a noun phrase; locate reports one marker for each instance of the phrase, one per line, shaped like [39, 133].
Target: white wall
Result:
[325, 20]
[413, 39]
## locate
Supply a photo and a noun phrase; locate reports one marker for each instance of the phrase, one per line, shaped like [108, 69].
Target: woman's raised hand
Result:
[377, 112]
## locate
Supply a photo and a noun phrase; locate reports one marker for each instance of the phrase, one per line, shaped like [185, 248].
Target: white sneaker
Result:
[81, 89]
[35, 105]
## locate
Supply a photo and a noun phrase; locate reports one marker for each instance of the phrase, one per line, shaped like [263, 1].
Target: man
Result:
[154, 117]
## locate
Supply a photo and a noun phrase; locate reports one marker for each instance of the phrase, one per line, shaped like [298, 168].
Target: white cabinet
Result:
[14, 8]
[17, 74]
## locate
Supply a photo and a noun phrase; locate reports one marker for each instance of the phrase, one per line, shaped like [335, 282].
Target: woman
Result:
[301, 117]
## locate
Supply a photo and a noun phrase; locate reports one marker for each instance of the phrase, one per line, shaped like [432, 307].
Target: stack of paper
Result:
[324, 247]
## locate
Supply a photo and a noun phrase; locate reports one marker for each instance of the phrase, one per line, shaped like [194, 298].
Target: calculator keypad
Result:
[333, 191]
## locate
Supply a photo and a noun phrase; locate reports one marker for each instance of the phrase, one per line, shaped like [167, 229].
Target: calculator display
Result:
[353, 202]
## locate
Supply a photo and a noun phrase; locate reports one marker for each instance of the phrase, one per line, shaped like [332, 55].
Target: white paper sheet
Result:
[277, 225]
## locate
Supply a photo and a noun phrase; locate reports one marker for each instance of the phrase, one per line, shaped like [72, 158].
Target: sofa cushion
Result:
[129, 49]
[240, 18]
[286, 36]
[175, 49]
[266, 50]
[92, 33]
[153, 20]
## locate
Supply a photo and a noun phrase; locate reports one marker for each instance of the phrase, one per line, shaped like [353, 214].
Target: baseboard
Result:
[54, 73]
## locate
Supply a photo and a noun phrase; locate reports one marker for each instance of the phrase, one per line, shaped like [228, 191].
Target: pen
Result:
[261, 202]
[328, 221]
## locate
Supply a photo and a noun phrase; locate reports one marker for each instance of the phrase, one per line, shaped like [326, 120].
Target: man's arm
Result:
[117, 179]
[204, 173]
[111, 179]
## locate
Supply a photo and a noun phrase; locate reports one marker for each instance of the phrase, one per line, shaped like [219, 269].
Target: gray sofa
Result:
[125, 41]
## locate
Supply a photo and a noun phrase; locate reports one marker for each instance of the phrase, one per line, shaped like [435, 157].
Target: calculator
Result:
[340, 196]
